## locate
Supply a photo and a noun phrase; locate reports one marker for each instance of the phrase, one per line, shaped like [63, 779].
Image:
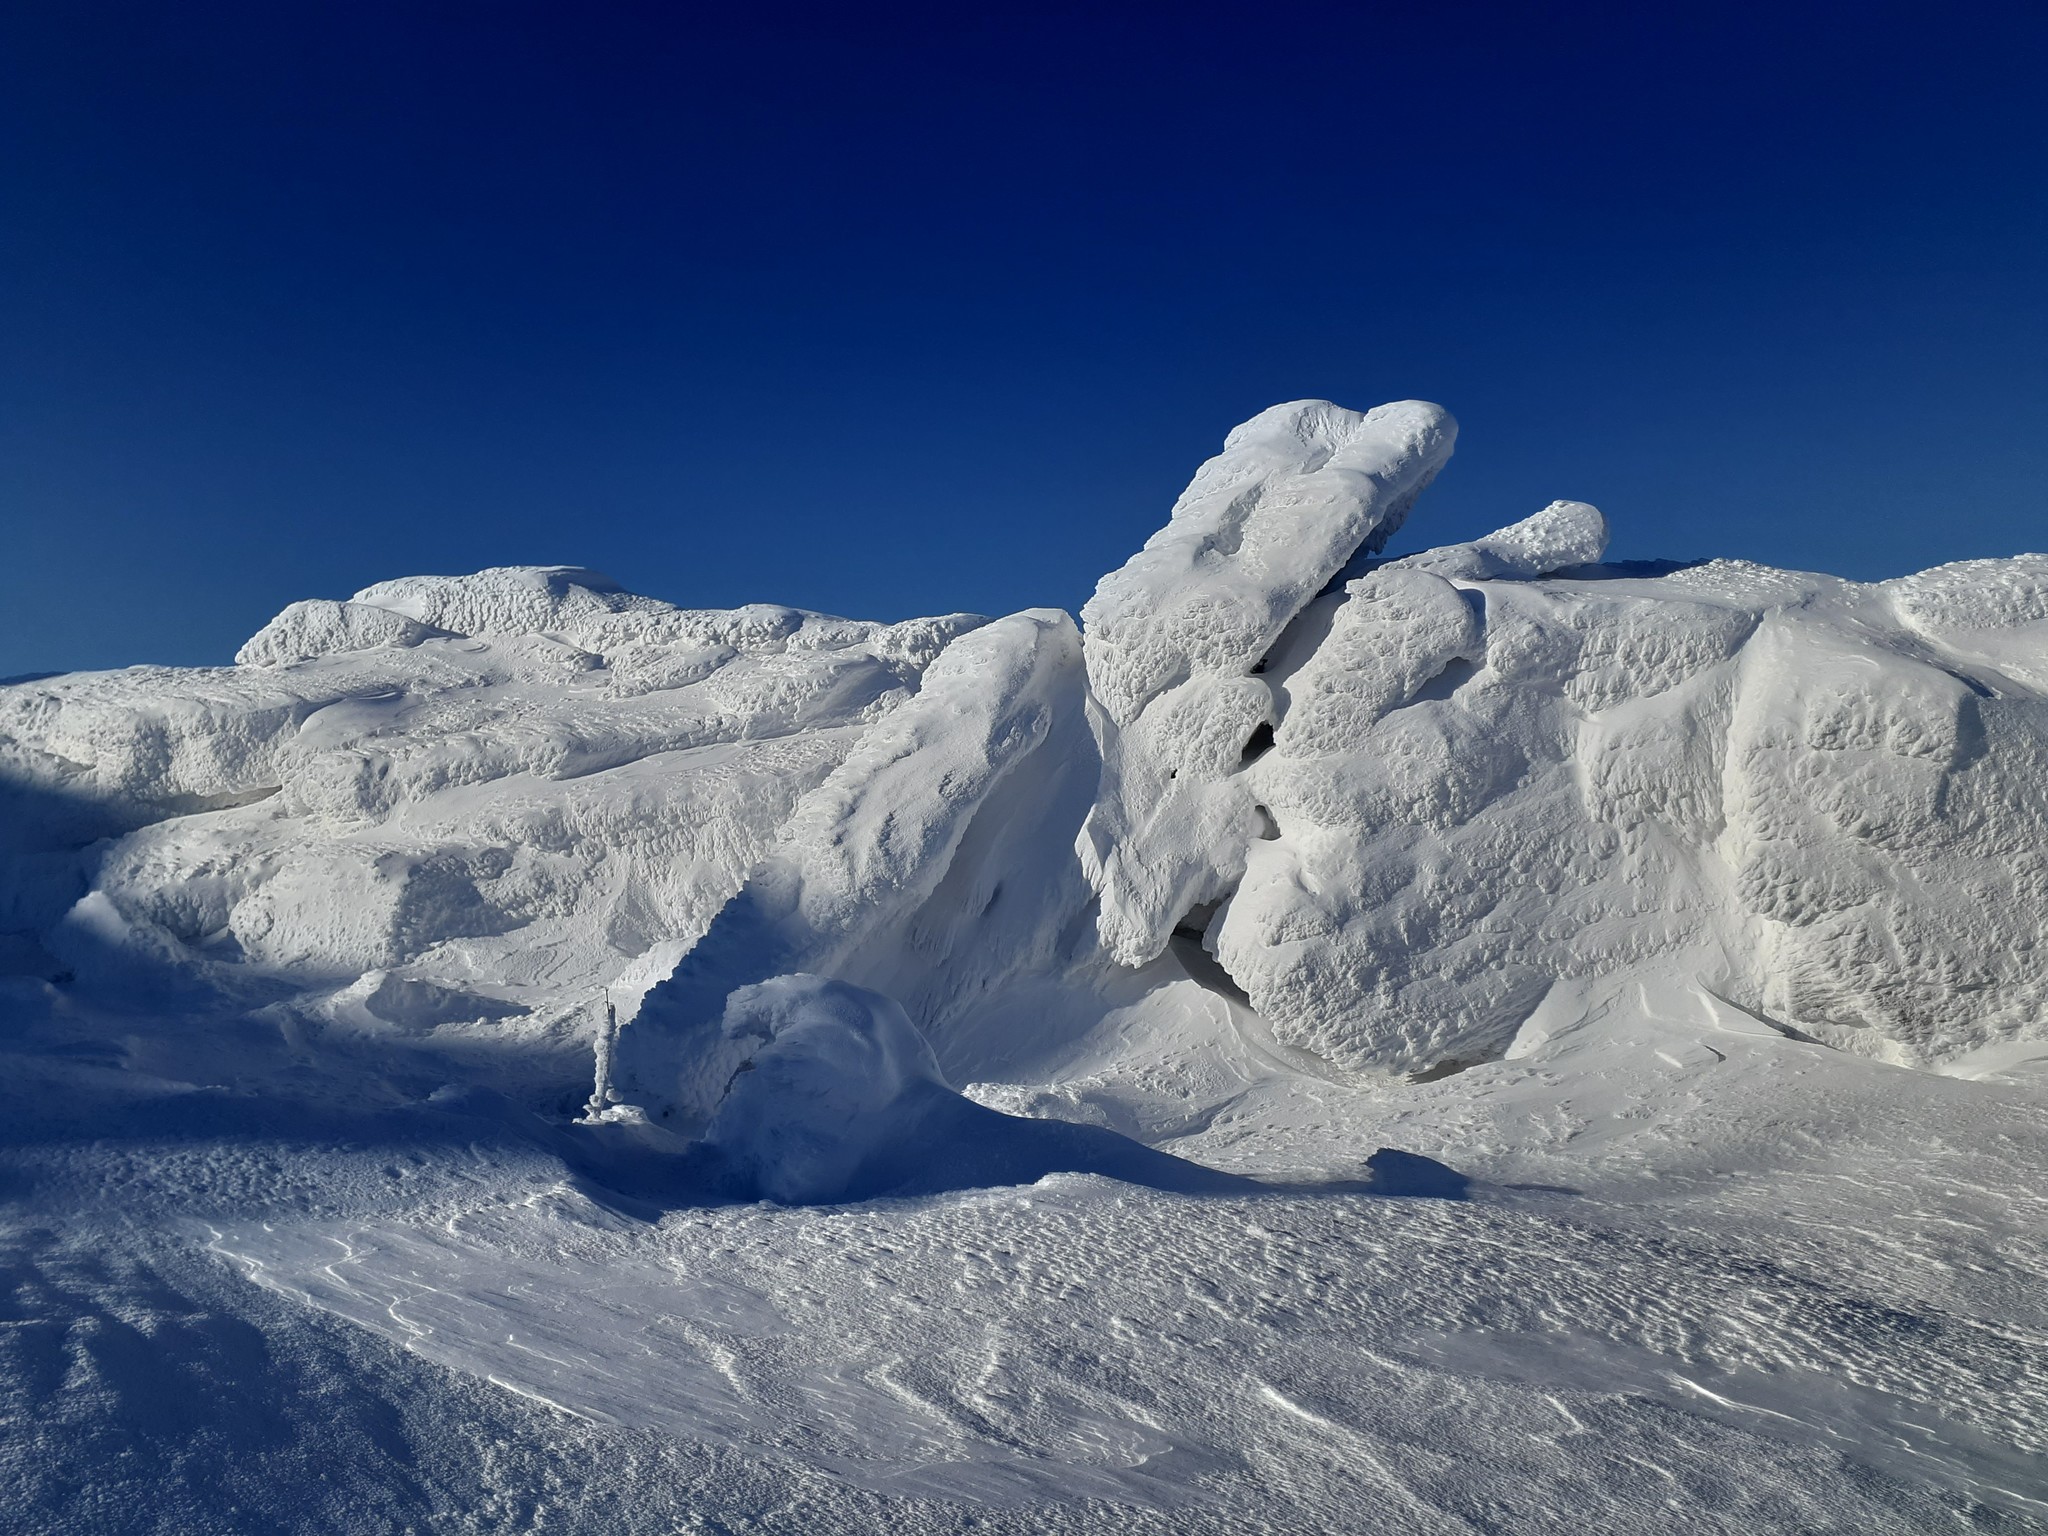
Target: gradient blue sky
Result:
[892, 310]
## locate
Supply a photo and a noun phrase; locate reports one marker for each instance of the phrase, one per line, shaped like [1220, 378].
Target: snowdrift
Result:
[1399, 817]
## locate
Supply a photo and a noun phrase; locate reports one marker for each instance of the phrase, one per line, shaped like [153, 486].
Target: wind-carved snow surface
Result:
[1624, 891]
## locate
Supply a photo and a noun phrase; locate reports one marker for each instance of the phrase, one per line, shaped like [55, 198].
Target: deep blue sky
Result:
[891, 311]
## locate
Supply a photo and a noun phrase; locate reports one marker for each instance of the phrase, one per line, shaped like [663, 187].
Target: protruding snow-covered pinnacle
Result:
[1295, 493]
[1173, 637]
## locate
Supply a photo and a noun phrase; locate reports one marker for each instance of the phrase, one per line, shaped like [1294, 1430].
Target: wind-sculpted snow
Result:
[808, 1091]
[321, 628]
[1453, 793]
[861, 883]
[1604, 900]
[1174, 636]
[1774, 790]
[804, 1081]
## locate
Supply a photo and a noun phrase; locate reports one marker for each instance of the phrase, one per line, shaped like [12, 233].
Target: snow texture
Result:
[1599, 905]
[318, 627]
[803, 1081]
[856, 885]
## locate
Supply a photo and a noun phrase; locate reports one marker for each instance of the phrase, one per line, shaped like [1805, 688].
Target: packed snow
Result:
[1482, 1040]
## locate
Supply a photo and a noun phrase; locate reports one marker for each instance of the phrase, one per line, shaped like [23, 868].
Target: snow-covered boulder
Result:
[1527, 797]
[1175, 636]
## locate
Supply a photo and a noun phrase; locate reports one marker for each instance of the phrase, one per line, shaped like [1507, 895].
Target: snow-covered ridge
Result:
[1403, 816]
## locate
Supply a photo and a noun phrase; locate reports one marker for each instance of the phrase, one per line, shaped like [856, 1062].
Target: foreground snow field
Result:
[511, 1054]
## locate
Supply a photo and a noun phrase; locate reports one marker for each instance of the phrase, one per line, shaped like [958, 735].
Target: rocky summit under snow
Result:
[1281, 836]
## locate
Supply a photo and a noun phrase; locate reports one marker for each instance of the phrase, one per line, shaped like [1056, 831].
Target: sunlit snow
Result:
[1482, 1041]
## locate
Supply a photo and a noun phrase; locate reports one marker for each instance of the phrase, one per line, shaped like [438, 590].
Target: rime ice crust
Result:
[800, 1081]
[504, 814]
[1727, 776]
[1174, 636]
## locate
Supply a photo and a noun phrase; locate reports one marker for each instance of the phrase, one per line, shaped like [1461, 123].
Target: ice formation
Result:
[805, 1081]
[861, 880]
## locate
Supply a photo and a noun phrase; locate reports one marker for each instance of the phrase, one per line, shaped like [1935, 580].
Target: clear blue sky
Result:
[891, 310]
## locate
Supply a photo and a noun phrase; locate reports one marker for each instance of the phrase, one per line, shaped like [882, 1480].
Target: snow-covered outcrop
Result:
[919, 866]
[1562, 535]
[1519, 798]
[511, 600]
[504, 814]
[1175, 636]
[1421, 813]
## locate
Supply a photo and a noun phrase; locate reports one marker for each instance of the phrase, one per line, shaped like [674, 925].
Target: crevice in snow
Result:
[1205, 970]
[1257, 745]
[1451, 1066]
[1196, 924]
[1455, 674]
[1190, 944]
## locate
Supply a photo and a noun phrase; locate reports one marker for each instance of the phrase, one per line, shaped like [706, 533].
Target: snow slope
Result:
[1060, 989]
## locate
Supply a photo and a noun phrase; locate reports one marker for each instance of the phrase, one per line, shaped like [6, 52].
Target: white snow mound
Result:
[1419, 813]
[318, 627]
[860, 882]
[805, 1080]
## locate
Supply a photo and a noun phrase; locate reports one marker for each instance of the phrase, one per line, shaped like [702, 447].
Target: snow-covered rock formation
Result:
[1175, 636]
[1498, 800]
[479, 805]
[1595, 905]
[1419, 813]
[917, 867]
